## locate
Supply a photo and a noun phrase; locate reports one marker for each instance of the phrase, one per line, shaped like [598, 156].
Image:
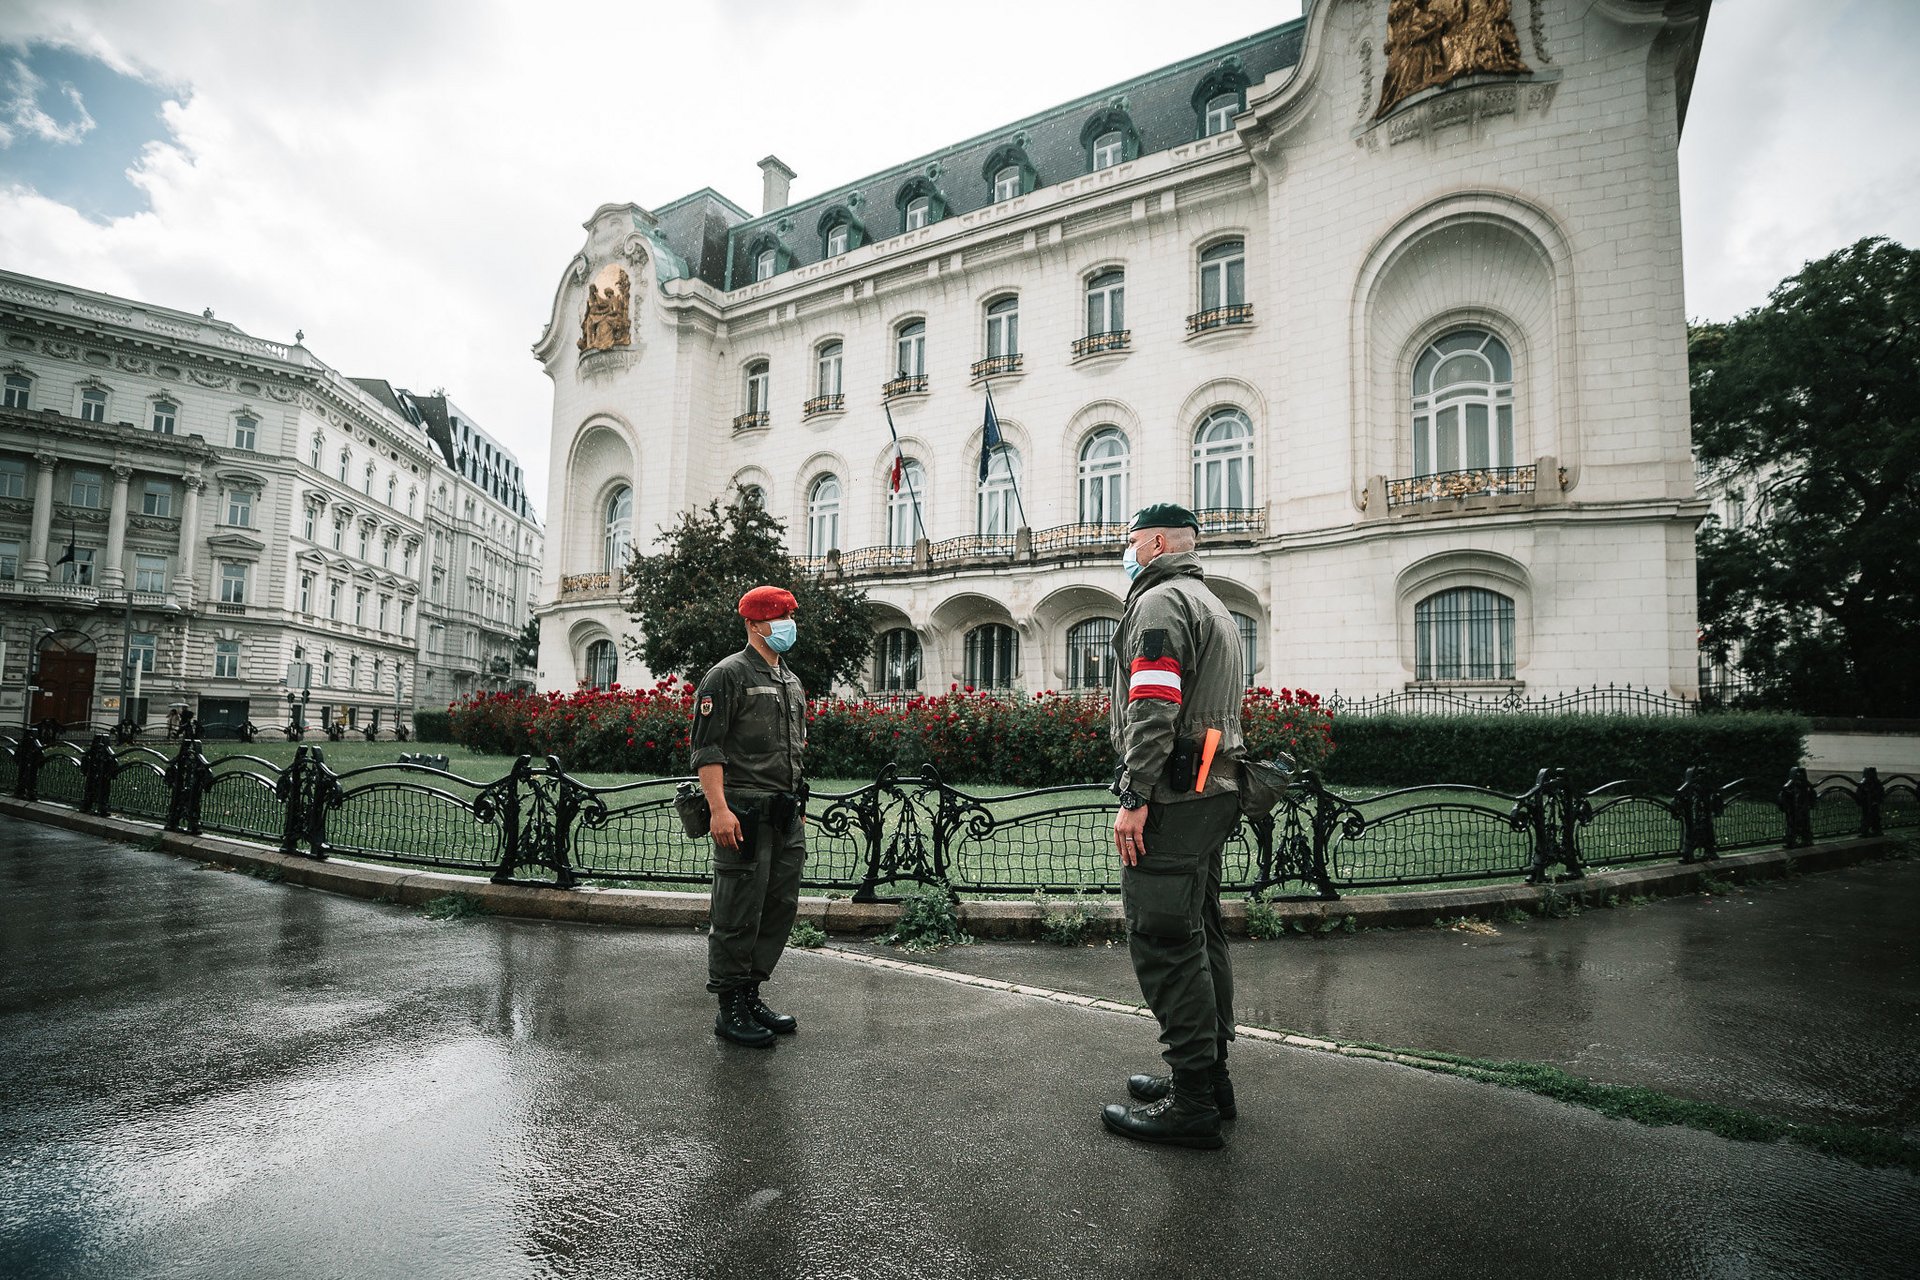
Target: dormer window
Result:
[1221, 109]
[1107, 149]
[837, 240]
[919, 212]
[763, 265]
[1006, 183]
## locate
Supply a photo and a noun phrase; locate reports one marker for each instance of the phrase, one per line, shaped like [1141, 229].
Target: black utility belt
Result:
[1183, 765]
[778, 809]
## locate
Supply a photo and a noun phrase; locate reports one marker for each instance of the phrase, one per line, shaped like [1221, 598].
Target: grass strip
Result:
[1869, 1148]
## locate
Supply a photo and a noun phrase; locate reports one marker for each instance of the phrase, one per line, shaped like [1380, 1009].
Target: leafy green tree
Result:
[526, 649]
[1811, 404]
[684, 598]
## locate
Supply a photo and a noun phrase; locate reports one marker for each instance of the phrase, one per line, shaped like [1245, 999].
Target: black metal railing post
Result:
[1796, 801]
[1552, 813]
[97, 768]
[320, 793]
[291, 791]
[1329, 813]
[188, 775]
[499, 802]
[1872, 794]
[1698, 804]
[27, 759]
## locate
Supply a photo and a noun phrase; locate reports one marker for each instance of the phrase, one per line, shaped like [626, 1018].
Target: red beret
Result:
[764, 604]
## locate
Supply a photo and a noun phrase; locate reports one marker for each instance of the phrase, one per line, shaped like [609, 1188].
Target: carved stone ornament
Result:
[608, 321]
[208, 379]
[1434, 42]
[282, 394]
[135, 364]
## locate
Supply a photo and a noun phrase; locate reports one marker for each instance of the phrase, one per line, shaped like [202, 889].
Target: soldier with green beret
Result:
[749, 729]
[1179, 673]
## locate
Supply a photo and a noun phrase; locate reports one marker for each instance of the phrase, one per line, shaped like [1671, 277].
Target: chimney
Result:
[775, 177]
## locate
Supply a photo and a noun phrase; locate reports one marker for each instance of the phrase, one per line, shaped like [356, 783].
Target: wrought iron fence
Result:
[1612, 700]
[540, 825]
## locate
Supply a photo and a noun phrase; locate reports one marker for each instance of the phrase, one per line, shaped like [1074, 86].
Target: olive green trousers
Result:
[754, 903]
[1174, 930]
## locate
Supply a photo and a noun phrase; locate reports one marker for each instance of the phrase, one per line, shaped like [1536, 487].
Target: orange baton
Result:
[1207, 747]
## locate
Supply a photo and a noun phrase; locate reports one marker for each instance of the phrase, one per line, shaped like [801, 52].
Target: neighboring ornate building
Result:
[1391, 294]
[244, 522]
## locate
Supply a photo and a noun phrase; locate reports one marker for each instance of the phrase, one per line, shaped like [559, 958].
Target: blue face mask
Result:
[784, 633]
[1131, 563]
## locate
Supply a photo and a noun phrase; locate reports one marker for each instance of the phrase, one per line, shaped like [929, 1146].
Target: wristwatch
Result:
[1131, 799]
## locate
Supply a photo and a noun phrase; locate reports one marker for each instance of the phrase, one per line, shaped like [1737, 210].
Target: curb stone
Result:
[1015, 919]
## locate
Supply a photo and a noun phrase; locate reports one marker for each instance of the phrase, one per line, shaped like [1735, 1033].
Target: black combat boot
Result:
[1154, 1088]
[781, 1024]
[736, 1021]
[1184, 1117]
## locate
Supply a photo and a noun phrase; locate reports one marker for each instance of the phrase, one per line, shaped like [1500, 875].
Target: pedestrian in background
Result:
[749, 729]
[1178, 684]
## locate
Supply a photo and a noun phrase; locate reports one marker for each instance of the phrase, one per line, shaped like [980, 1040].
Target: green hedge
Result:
[432, 726]
[1506, 751]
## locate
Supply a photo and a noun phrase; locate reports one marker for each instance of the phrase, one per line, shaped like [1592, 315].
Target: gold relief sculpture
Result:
[1431, 42]
[607, 323]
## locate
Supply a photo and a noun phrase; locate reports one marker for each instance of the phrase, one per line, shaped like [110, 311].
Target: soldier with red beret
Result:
[749, 728]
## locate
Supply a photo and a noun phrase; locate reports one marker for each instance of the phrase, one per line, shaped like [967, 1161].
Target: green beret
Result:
[1164, 515]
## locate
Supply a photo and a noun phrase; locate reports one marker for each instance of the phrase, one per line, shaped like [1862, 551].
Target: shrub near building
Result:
[970, 737]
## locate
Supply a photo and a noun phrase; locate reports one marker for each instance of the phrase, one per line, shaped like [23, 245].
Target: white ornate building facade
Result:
[243, 523]
[1390, 294]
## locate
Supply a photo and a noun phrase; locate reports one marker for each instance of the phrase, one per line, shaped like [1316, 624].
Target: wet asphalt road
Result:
[208, 1075]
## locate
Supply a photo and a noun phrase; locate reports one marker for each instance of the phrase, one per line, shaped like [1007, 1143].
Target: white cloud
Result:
[23, 111]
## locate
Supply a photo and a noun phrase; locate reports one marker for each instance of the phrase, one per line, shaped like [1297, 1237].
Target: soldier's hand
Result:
[1130, 834]
[726, 829]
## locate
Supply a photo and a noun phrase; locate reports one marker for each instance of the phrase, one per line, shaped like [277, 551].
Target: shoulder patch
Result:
[707, 703]
[1153, 644]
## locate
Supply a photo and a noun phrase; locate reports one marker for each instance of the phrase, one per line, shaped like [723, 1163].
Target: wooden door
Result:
[66, 688]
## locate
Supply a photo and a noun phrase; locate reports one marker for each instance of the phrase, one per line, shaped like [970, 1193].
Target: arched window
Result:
[993, 656]
[1223, 275]
[1090, 654]
[618, 540]
[1103, 477]
[764, 263]
[896, 661]
[838, 236]
[918, 211]
[603, 664]
[998, 500]
[823, 516]
[1463, 404]
[1249, 644]
[902, 527]
[759, 382]
[1108, 149]
[827, 367]
[1220, 111]
[910, 349]
[1463, 634]
[1106, 302]
[920, 204]
[1223, 461]
[1006, 183]
[1003, 327]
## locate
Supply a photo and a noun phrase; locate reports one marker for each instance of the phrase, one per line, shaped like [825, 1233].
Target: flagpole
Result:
[913, 494]
[1012, 474]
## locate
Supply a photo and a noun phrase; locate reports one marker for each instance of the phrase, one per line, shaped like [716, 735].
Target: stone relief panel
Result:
[1433, 42]
[608, 320]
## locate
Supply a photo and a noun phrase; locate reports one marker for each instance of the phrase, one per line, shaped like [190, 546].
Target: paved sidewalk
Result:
[213, 1076]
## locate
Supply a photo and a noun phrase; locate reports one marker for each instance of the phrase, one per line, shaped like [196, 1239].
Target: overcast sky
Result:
[406, 180]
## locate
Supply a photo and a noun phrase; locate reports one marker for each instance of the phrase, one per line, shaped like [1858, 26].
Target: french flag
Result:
[1154, 678]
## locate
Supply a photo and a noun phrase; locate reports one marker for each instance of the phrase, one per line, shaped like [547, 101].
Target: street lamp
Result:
[34, 641]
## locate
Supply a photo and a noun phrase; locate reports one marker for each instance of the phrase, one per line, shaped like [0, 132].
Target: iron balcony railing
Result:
[973, 546]
[1096, 343]
[1220, 317]
[539, 825]
[994, 366]
[752, 421]
[1473, 483]
[906, 384]
[823, 404]
[1079, 537]
[233, 607]
[1223, 520]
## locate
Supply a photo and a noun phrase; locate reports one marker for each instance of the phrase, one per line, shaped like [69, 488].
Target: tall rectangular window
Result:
[156, 498]
[150, 573]
[1106, 303]
[245, 432]
[406, 616]
[165, 414]
[84, 491]
[1108, 149]
[226, 659]
[339, 533]
[9, 560]
[359, 606]
[1006, 183]
[1223, 275]
[333, 601]
[93, 405]
[233, 583]
[380, 616]
[142, 648]
[13, 478]
[19, 391]
[306, 593]
[829, 369]
[240, 507]
[1003, 328]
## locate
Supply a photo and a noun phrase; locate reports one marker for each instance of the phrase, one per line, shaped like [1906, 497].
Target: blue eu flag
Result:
[989, 439]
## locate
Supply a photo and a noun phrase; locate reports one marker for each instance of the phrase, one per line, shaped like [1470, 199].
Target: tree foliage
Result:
[1811, 405]
[684, 598]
